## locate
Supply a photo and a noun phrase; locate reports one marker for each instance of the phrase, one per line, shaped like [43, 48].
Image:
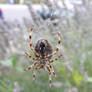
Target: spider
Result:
[43, 53]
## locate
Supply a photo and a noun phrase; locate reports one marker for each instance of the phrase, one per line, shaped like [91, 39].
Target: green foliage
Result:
[14, 60]
[77, 78]
[62, 69]
[5, 87]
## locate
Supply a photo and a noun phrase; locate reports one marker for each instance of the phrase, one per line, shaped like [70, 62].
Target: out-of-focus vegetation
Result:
[3, 1]
[74, 70]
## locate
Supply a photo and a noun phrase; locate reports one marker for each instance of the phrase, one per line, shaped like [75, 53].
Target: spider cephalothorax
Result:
[43, 53]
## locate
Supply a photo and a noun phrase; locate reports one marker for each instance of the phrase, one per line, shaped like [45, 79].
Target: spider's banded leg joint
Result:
[59, 41]
[57, 48]
[31, 46]
[30, 37]
[27, 69]
[50, 81]
[53, 71]
[60, 56]
[29, 56]
[34, 74]
[32, 28]
[30, 67]
[56, 58]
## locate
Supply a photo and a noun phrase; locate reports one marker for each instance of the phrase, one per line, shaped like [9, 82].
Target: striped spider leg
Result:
[51, 70]
[30, 67]
[58, 47]
[51, 61]
[50, 79]
[34, 74]
[31, 47]
[37, 66]
[30, 37]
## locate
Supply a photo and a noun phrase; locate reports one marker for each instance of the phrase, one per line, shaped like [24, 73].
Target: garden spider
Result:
[43, 53]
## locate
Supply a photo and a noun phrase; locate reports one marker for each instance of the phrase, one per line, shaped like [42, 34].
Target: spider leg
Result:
[30, 67]
[55, 59]
[31, 47]
[27, 54]
[30, 37]
[34, 74]
[53, 71]
[50, 79]
[58, 47]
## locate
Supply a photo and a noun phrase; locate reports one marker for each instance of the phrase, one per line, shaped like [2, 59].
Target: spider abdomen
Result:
[43, 48]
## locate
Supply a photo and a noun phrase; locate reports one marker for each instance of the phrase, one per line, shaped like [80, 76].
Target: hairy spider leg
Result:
[30, 37]
[50, 79]
[58, 47]
[34, 74]
[36, 68]
[56, 58]
[30, 56]
[30, 67]
[53, 71]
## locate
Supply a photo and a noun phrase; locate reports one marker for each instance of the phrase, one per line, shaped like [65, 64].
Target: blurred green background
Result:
[72, 18]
